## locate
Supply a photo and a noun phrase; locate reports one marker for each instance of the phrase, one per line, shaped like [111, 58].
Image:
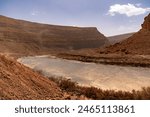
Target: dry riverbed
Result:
[102, 76]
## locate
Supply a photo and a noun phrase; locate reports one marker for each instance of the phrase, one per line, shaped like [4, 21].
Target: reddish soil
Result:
[20, 82]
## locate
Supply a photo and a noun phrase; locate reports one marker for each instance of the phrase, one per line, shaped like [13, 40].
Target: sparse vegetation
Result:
[111, 59]
[65, 84]
[99, 94]
[18, 82]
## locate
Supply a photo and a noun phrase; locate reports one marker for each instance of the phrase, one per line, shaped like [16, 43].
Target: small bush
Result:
[99, 94]
[68, 85]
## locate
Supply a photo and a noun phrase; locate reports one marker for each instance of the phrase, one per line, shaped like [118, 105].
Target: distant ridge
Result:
[18, 36]
[118, 38]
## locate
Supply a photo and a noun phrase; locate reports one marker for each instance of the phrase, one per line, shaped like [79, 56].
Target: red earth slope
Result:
[20, 82]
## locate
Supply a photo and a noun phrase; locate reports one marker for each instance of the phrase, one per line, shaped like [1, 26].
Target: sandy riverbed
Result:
[91, 74]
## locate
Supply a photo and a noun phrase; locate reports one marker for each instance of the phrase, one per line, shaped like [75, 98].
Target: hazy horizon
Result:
[111, 18]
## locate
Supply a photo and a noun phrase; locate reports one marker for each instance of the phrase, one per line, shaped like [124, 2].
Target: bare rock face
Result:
[146, 24]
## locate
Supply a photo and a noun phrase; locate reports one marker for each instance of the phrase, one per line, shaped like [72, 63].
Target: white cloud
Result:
[127, 9]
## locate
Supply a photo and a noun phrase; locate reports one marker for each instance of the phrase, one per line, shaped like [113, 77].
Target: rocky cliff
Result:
[139, 43]
[146, 24]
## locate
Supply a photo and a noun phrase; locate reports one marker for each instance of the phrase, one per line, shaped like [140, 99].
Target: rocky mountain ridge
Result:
[18, 36]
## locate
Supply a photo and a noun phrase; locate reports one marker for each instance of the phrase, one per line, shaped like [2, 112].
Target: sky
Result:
[111, 17]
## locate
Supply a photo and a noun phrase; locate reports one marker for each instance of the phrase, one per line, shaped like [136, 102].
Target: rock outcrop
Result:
[146, 24]
[139, 43]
